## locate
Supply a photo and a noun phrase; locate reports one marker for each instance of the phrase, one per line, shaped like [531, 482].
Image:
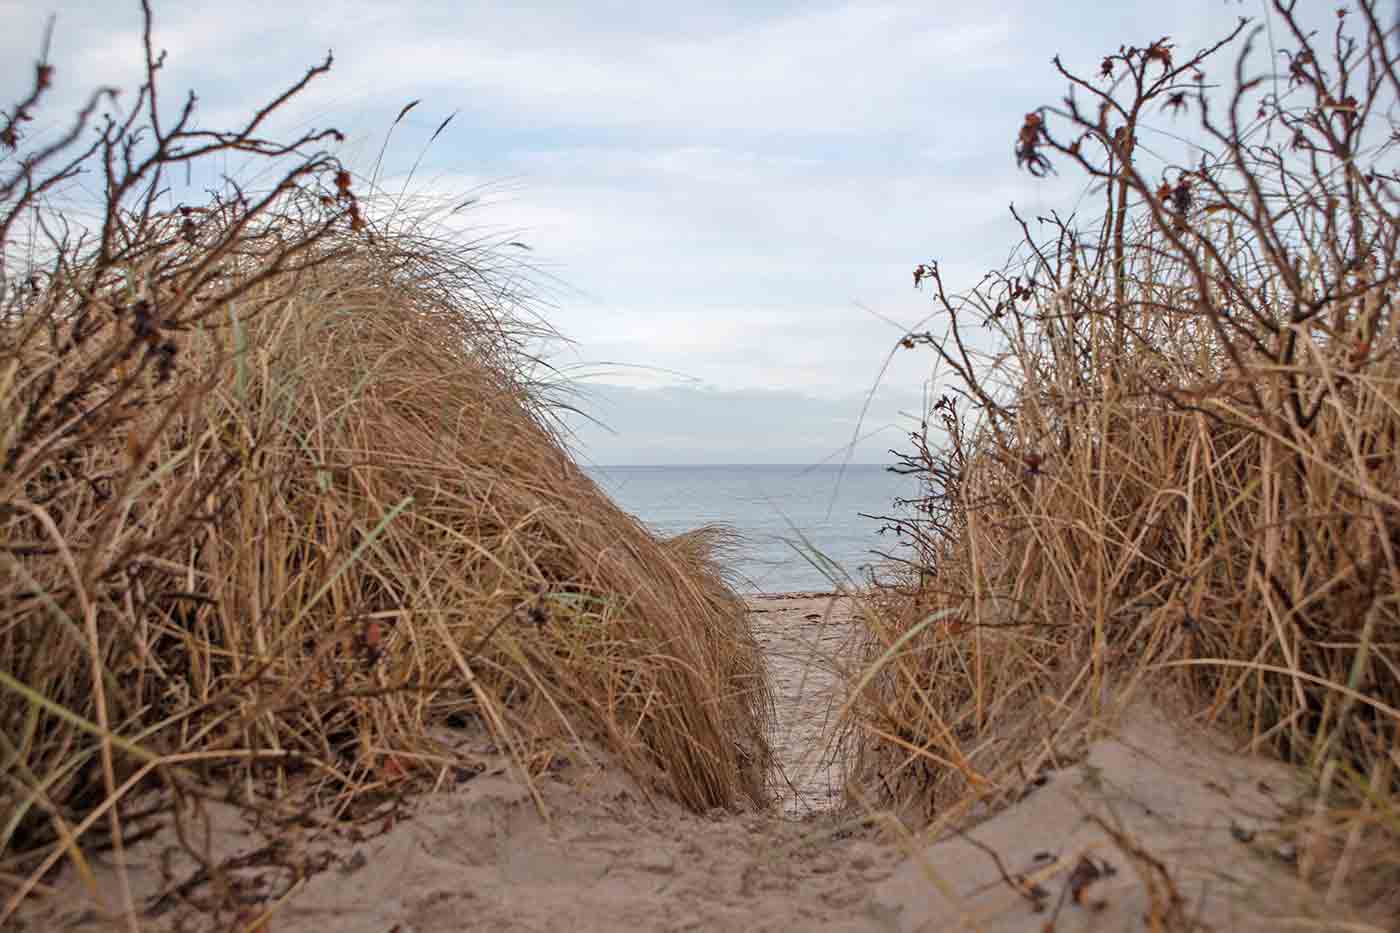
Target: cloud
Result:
[690, 424]
[714, 193]
[771, 72]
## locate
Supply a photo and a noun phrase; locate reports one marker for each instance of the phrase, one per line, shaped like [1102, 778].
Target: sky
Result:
[723, 202]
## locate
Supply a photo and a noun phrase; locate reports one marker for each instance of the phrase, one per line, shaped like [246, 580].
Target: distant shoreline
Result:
[735, 466]
[795, 594]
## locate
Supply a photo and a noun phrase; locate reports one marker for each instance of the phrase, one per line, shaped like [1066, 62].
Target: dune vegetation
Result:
[285, 502]
[283, 497]
[1176, 468]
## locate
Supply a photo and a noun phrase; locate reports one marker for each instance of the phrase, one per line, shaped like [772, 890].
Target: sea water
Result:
[801, 527]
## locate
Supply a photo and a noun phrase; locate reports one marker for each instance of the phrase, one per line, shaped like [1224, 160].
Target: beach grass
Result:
[282, 499]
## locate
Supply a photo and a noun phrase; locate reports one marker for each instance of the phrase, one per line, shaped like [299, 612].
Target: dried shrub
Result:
[1179, 461]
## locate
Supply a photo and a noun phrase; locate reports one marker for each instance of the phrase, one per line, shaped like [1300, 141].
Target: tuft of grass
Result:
[1177, 467]
[280, 494]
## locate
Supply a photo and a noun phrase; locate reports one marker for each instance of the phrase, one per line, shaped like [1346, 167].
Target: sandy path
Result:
[608, 858]
[481, 857]
[801, 635]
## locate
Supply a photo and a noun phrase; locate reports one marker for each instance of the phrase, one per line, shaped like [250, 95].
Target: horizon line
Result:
[699, 466]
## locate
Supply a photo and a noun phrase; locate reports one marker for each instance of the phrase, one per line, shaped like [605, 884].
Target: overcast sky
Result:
[724, 201]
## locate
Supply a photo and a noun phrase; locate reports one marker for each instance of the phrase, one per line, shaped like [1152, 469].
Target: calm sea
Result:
[774, 508]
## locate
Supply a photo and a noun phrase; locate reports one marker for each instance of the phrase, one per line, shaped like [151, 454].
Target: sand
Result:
[1079, 852]
[805, 637]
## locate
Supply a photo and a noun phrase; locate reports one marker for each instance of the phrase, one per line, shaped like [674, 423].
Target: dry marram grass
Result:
[280, 494]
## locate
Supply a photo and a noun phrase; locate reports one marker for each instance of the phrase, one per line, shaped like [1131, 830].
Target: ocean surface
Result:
[800, 525]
